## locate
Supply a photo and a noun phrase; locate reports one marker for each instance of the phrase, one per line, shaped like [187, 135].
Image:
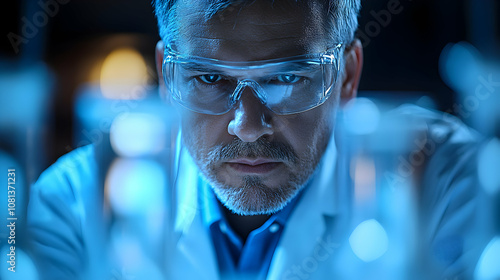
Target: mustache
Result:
[260, 148]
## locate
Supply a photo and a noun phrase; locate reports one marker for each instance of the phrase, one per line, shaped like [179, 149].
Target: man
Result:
[257, 157]
[257, 85]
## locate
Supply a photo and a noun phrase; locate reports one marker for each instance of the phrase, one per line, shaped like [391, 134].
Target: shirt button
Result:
[274, 228]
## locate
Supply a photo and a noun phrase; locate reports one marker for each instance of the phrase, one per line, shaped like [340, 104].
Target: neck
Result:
[243, 225]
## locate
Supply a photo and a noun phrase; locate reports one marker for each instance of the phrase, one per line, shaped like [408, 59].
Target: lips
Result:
[255, 166]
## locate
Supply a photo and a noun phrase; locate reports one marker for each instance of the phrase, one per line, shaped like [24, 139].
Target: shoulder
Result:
[450, 149]
[440, 127]
[448, 146]
[72, 168]
[448, 188]
[447, 143]
[62, 192]
[64, 184]
[57, 214]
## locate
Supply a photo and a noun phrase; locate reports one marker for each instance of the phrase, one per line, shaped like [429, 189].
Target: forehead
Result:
[259, 30]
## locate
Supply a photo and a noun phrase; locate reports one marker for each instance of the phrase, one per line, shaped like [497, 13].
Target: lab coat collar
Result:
[308, 223]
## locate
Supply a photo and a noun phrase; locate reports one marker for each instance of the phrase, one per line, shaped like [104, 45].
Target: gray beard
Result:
[253, 197]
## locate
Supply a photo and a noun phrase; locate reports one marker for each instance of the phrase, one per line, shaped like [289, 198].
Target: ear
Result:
[159, 69]
[353, 64]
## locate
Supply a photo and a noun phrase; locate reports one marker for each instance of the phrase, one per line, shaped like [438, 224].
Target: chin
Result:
[253, 197]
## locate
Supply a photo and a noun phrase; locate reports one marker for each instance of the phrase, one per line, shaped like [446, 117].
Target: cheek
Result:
[309, 131]
[203, 132]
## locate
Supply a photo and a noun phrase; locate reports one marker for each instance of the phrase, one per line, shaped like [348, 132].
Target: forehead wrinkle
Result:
[246, 52]
[258, 34]
[196, 27]
[260, 23]
[246, 16]
[253, 39]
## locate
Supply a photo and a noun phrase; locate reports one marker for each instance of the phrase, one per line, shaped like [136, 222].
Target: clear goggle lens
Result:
[285, 86]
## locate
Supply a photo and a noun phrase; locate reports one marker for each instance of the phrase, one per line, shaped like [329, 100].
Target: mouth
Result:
[253, 166]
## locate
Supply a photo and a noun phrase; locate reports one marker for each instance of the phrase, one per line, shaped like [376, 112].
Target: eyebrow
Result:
[299, 66]
[197, 67]
[278, 67]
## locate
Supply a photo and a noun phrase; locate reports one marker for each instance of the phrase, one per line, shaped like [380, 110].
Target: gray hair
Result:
[342, 21]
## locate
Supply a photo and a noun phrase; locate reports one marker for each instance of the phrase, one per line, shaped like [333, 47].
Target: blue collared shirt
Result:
[237, 258]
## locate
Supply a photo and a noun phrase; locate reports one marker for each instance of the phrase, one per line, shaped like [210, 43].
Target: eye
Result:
[210, 78]
[288, 78]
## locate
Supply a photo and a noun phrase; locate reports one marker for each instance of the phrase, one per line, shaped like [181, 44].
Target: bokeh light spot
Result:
[137, 134]
[488, 167]
[369, 240]
[488, 266]
[135, 187]
[361, 116]
[124, 75]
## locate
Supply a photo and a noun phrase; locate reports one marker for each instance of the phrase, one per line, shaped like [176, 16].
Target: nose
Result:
[251, 118]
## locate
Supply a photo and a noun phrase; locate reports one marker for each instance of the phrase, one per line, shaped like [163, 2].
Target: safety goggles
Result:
[285, 85]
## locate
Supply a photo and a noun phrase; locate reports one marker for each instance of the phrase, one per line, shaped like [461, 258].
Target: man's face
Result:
[255, 160]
